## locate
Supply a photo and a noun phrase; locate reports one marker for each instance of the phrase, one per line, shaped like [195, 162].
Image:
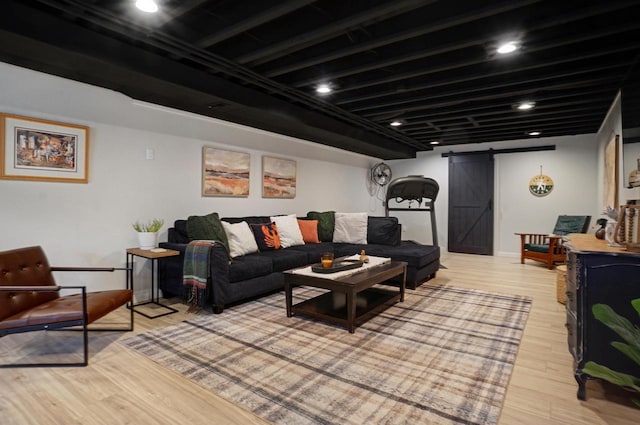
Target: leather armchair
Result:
[30, 300]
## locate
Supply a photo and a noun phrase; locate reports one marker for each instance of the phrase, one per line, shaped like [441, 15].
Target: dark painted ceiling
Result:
[430, 64]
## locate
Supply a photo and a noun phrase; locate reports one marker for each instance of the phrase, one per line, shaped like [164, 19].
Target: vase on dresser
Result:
[610, 232]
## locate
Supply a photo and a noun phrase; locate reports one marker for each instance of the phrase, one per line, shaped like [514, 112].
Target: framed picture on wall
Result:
[43, 150]
[610, 198]
[225, 173]
[278, 177]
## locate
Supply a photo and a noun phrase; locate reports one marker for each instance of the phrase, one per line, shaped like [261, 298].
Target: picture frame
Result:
[225, 173]
[43, 150]
[610, 193]
[279, 177]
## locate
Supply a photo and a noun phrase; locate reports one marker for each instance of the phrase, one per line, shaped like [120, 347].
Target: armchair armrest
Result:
[45, 288]
[87, 269]
[41, 288]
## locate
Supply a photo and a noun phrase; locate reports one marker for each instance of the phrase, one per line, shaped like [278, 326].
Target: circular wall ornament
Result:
[540, 185]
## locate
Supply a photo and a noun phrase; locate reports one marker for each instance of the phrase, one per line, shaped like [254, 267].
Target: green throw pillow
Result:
[326, 223]
[207, 227]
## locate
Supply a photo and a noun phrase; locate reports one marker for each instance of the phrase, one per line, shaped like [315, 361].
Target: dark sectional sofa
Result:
[253, 275]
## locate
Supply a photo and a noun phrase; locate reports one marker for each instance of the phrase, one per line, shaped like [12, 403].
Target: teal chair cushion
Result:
[536, 247]
[571, 224]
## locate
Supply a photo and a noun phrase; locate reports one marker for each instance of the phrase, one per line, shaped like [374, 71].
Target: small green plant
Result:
[630, 348]
[152, 226]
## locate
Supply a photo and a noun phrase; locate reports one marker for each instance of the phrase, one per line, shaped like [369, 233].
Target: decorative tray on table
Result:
[337, 266]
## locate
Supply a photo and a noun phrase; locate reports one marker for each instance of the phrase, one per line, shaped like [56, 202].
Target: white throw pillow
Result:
[241, 240]
[350, 228]
[288, 229]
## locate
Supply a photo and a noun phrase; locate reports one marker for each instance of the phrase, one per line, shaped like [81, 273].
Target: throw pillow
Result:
[309, 230]
[267, 236]
[288, 230]
[326, 223]
[383, 231]
[350, 228]
[207, 227]
[241, 240]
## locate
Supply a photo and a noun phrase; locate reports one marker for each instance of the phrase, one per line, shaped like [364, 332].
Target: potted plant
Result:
[148, 233]
[630, 333]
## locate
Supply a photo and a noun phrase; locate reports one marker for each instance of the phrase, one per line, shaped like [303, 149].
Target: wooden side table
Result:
[155, 292]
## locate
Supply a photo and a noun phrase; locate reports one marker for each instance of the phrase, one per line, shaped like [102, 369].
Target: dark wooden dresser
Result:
[598, 274]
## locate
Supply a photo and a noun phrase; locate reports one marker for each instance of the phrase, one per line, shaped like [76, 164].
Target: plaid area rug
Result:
[444, 356]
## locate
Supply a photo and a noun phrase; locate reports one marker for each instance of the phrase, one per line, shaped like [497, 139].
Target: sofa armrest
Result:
[170, 272]
[181, 247]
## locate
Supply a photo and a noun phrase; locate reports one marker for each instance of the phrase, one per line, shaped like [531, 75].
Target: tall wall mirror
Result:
[631, 127]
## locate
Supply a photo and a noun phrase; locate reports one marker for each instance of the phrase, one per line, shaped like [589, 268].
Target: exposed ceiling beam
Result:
[484, 59]
[252, 22]
[447, 81]
[395, 38]
[327, 32]
[505, 88]
[514, 95]
[183, 8]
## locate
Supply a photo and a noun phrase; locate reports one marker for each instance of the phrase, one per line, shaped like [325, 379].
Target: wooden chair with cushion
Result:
[30, 300]
[548, 248]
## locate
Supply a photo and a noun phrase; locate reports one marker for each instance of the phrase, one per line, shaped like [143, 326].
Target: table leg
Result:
[288, 295]
[403, 283]
[130, 278]
[351, 310]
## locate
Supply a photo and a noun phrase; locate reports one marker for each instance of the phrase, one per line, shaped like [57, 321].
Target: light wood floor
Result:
[121, 387]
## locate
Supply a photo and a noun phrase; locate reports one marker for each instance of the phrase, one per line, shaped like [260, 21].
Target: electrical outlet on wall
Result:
[149, 154]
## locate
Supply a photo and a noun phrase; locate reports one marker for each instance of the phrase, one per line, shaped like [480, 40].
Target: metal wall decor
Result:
[540, 185]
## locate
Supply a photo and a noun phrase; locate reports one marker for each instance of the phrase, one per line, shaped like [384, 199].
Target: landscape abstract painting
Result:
[278, 177]
[225, 173]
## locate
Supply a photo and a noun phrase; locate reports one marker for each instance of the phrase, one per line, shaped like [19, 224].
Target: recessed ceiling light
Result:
[148, 6]
[434, 142]
[508, 47]
[323, 89]
[534, 133]
[395, 123]
[524, 106]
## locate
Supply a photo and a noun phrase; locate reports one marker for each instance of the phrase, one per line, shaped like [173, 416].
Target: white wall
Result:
[572, 166]
[90, 224]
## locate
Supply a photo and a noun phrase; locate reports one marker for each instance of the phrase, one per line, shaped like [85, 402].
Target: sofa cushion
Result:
[206, 227]
[288, 230]
[254, 219]
[178, 233]
[416, 255]
[314, 250]
[383, 231]
[350, 228]
[248, 267]
[241, 240]
[266, 236]
[326, 223]
[344, 249]
[285, 259]
[309, 230]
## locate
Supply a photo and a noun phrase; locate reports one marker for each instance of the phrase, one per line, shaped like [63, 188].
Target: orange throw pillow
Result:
[309, 230]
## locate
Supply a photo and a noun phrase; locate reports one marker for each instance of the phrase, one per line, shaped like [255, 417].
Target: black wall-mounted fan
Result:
[381, 174]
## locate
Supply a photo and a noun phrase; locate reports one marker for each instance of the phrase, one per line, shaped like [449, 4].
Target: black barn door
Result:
[471, 204]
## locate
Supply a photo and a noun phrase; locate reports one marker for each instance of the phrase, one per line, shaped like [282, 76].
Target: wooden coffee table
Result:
[352, 299]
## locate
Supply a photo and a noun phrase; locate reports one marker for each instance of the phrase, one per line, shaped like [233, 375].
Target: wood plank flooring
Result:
[121, 387]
